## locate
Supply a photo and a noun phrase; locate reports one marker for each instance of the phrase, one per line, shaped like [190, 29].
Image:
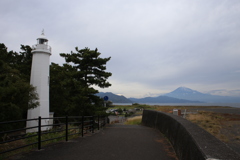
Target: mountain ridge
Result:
[114, 98]
[161, 99]
[179, 95]
[193, 95]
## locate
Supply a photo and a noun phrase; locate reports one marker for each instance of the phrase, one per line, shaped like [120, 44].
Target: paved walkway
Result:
[115, 142]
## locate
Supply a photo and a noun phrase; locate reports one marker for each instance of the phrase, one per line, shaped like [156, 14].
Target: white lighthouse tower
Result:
[40, 79]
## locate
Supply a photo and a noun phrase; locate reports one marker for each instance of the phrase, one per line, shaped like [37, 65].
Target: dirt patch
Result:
[225, 127]
[168, 148]
[231, 130]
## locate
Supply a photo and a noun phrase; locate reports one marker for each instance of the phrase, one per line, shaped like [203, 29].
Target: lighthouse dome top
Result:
[42, 45]
[42, 36]
[42, 39]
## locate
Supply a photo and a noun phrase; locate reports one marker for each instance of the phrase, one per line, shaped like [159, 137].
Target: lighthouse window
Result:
[41, 41]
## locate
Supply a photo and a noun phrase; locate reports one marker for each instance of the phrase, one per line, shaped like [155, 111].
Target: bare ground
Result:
[231, 130]
[230, 127]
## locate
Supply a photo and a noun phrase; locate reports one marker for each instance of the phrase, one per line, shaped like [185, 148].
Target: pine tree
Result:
[83, 70]
[16, 94]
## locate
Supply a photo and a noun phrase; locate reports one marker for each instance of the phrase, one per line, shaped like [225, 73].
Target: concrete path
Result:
[115, 142]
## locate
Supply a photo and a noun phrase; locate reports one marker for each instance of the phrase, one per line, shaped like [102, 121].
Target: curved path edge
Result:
[188, 140]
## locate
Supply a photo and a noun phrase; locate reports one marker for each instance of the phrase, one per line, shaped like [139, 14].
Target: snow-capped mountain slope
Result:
[161, 99]
[184, 92]
[193, 95]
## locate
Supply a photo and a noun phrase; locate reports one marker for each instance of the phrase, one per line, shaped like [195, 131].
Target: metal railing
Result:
[42, 47]
[67, 126]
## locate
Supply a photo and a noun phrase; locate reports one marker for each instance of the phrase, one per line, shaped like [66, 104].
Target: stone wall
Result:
[189, 141]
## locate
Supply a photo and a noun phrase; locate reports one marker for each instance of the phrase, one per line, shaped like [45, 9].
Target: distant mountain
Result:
[225, 92]
[161, 99]
[193, 95]
[114, 98]
[180, 95]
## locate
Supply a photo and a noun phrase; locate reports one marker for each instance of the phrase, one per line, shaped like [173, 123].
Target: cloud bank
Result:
[156, 45]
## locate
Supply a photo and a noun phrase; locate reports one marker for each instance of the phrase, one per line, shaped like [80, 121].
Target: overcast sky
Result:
[155, 46]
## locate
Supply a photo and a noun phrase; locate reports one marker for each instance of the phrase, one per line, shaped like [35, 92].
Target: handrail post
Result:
[98, 122]
[39, 132]
[82, 124]
[66, 127]
[92, 124]
[104, 122]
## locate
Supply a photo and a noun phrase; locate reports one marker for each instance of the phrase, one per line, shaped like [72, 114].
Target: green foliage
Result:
[135, 104]
[71, 85]
[16, 94]
[120, 111]
[128, 114]
[20, 61]
[24, 62]
[90, 67]
[109, 104]
[62, 86]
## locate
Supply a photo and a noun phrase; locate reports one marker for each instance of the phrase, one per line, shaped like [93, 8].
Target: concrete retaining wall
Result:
[189, 141]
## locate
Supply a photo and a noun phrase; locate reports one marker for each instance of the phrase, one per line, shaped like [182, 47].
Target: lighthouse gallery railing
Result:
[41, 46]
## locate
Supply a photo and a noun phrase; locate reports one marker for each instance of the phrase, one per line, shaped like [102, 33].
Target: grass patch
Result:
[137, 120]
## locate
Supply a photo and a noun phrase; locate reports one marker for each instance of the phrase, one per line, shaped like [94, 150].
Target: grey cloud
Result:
[154, 44]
